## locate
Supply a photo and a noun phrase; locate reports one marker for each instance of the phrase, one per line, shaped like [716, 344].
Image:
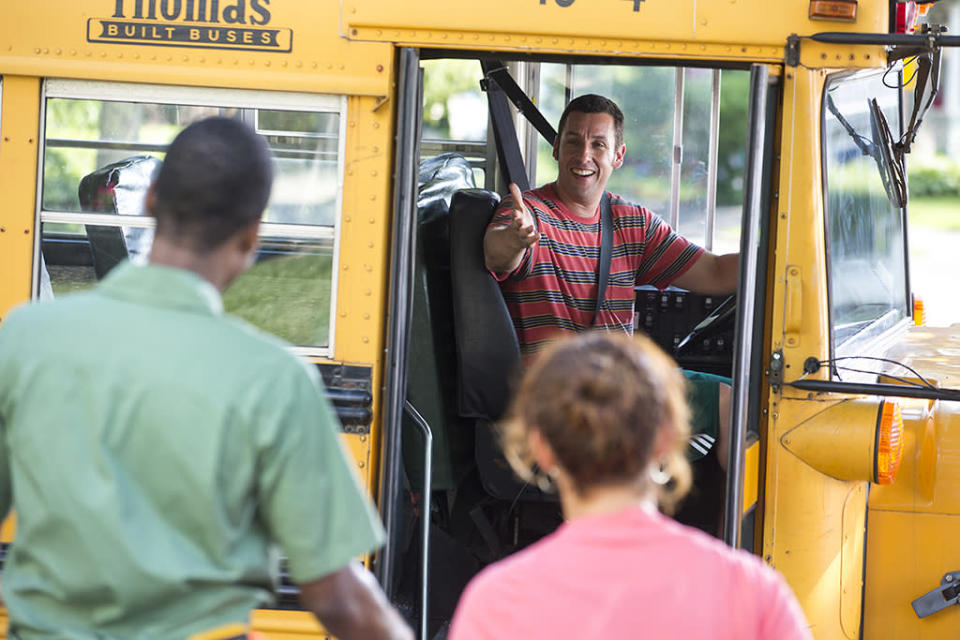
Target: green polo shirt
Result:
[154, 450]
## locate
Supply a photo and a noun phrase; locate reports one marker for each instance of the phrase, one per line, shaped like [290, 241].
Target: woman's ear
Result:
[664, 442]
[541, 451]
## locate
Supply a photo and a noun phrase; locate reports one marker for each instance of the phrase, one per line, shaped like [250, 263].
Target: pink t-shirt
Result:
[629, 574]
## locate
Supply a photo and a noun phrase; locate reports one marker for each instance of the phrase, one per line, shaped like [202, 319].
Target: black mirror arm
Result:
[927, 69]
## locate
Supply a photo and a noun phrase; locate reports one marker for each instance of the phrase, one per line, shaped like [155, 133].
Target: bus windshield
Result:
[865, 227]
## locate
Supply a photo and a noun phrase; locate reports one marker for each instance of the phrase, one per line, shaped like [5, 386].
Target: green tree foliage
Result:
[731, 145]
[443, 79]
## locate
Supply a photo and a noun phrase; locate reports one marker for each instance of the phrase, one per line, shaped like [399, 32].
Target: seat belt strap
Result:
[505, 134]
[499, 72]
[606, 251]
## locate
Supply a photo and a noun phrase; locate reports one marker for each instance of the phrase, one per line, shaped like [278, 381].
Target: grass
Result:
[938, 212]
[288, 296]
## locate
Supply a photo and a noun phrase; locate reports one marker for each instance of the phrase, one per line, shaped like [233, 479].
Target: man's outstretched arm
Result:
[712, 274]
[504, 245]
[350, 604]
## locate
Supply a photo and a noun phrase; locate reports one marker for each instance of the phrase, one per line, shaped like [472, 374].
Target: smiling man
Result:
[543, 246]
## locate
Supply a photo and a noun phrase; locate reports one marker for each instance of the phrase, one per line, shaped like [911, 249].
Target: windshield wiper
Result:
[865, 145]
[889, 161]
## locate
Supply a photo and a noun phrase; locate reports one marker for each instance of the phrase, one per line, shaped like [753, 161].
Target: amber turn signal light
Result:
[855, 439]
[889, 442]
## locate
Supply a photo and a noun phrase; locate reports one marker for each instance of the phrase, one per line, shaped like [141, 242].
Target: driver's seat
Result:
[488, 354]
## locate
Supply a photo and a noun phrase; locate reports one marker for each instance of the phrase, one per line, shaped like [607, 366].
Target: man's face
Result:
[587, 153]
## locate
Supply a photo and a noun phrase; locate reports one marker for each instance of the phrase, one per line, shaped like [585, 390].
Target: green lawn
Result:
[941, 212]
[288, 296]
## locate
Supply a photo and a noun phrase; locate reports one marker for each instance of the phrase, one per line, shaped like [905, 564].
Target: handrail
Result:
[424, 512]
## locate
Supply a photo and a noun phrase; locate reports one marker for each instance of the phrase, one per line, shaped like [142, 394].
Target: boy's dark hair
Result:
[592, 103]
[215, 180]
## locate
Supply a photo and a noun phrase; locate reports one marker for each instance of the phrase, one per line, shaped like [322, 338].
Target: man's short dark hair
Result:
[215, 180]
[592, 103]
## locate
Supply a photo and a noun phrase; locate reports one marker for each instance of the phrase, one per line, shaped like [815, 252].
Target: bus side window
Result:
[101, 150]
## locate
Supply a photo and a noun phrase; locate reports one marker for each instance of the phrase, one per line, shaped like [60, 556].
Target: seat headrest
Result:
[119, 187]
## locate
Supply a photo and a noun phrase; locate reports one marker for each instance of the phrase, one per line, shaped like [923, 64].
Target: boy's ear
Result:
[150, 201]
[249, 237]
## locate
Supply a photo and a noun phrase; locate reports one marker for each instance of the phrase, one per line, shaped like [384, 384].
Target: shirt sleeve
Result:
[500, 217]
[666, 254]
[310, 496]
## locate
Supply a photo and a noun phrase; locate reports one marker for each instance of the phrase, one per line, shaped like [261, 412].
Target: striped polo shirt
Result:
[554, 288]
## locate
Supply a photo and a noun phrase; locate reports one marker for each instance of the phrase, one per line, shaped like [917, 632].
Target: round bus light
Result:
[889, 442]
[858, 439]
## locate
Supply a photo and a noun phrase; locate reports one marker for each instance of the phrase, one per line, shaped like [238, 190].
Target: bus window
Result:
[455, 115]
[867, 267]
[96, 127]
[700, 112]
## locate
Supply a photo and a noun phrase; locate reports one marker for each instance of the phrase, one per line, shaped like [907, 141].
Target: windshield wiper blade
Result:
[889, 162]
[865, 146]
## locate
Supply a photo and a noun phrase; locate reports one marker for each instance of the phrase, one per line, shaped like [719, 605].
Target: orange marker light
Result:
[919, 312]
[889, 442]
[833, 10]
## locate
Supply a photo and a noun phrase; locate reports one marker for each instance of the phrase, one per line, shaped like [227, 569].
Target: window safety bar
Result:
[677, 147]
[714, 151]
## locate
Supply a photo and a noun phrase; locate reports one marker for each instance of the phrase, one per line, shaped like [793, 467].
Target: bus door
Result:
[690, 158]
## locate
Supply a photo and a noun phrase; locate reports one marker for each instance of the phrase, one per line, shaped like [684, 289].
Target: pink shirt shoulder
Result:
[625, 575]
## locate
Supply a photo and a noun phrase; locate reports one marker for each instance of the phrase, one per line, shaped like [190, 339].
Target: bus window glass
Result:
[455, 114]
[647, 94]
[118, 145]
[695, 158]
[867, 267]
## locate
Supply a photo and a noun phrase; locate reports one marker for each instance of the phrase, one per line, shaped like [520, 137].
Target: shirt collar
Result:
[162, 286]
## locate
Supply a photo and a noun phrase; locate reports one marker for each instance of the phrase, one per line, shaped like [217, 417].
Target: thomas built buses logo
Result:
[209, 24]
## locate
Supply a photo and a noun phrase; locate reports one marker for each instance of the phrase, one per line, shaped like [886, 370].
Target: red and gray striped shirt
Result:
[554, 289]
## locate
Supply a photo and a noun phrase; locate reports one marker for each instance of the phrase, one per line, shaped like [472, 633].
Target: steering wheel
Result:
[717, 321]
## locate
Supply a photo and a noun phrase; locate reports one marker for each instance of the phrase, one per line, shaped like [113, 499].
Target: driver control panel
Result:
[668, 316]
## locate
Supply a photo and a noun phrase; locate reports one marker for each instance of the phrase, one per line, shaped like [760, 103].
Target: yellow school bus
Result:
[776, 129]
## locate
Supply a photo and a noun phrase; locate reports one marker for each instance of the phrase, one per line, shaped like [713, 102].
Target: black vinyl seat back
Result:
[118, 188]
[488, 354]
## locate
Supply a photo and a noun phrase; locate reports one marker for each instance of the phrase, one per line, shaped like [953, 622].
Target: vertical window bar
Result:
[530, 83]
[568, 86]
[677, 148]
[39, 264]
[712, 160]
